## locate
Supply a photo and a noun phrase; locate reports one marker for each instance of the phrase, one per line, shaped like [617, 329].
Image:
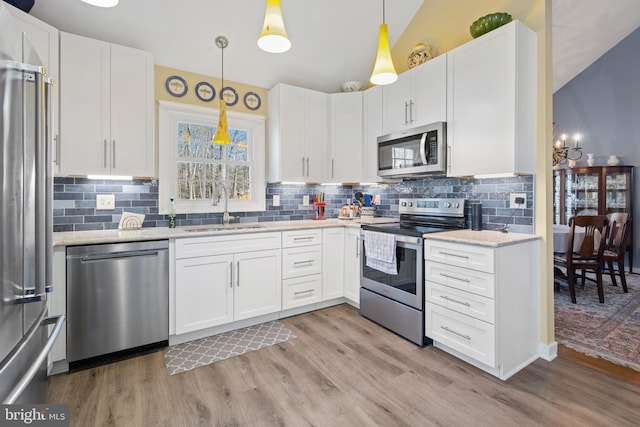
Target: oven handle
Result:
[401, 239]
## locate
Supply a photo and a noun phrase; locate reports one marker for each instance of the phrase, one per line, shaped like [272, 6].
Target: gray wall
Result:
[603, 104]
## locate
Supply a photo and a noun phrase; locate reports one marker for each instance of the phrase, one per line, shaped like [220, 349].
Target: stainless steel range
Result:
[392, 269]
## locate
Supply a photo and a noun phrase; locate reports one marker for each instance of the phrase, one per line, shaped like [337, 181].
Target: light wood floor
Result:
[343, 370]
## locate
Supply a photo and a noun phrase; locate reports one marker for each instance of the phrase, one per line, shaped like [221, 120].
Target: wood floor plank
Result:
[343, 370]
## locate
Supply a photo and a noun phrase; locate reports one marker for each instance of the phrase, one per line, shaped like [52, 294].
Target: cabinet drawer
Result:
[301, 291]
[296, 238]
[465, 279]
[303, 261]
[469, 256]
[481, 308]
[469, 336]
[219, 245]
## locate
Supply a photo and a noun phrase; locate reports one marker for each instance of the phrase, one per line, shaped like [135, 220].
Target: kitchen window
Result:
[192, 168]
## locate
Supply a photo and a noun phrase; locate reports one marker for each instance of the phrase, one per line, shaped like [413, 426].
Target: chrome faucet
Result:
[226, 219]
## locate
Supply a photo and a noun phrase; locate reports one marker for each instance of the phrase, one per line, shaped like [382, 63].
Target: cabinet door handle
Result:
[406, 117]
[56, 152]
[303, 292]
[105, 153]
[309, 261]
[238, 274]
[332, 168]
[231, 268]
[449, 159]
[456, 301]
[454, 277]
[454, 255]
[113, 154]
[307, 167]
[302, 165]
[303, 238]
[466, 337]
[357, 246]
[411, 111]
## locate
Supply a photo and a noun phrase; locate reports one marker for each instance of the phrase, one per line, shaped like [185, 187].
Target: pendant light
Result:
[102, 3]
[384, 72]
[222, 131]
[274, 37]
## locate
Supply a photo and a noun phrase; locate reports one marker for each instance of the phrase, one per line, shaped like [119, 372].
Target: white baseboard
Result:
[549, 352]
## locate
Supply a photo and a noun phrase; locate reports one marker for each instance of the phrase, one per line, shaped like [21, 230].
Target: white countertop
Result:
[488, 238]
[70, 238]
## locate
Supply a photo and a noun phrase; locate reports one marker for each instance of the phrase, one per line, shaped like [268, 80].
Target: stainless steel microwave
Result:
[414, 152]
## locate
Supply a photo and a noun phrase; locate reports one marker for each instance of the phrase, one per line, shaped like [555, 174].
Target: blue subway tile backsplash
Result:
[75, 201]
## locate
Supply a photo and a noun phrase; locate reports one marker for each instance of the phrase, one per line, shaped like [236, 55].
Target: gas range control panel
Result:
[442, 207]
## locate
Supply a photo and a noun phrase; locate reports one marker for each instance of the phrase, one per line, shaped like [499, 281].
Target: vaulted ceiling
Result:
[333, 40]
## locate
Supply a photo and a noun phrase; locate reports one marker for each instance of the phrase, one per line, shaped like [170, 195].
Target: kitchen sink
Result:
[220, 227]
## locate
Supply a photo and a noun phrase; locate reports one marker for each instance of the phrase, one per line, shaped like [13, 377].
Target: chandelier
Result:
[562, 153]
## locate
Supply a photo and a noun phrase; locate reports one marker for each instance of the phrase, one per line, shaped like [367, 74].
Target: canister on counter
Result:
[476, 216]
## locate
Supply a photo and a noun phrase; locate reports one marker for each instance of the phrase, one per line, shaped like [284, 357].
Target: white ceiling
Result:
[333, 40]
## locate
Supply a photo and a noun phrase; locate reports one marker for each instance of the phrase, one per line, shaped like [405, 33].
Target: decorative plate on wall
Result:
[205, 91]
[252, 101]
[230, 95]
[176, 86]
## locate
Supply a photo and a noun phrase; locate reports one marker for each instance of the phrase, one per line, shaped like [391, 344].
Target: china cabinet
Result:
[592, 190]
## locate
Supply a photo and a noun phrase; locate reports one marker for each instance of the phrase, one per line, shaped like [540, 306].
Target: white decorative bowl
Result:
[351, 86]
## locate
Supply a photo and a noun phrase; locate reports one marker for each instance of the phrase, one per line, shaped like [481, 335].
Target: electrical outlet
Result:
[305, 200]
[517, 200]
[276, 200]
[105, 202]
[378, 199]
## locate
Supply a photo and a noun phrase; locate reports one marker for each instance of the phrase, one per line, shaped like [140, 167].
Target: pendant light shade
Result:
[274, 37]
[102, 3]
[384, 72]
[222, 130]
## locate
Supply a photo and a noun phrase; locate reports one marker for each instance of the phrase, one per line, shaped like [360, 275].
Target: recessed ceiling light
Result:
[102, 3]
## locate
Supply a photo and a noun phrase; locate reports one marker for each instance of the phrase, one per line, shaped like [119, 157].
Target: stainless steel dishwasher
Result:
[117, 297]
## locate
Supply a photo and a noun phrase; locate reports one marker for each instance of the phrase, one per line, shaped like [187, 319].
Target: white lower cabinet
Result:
[352, 264]
[482, 303]
[226, 283]
[299, 291]
[332, 263]
[301, 268]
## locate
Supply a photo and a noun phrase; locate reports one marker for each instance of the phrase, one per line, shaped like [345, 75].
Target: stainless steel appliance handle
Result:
[116, 255]
[29, 374]
[456, 301]
[466, 337]
[404, 239]
[231, 275]
[454, 277]
[42, 173]
[303, 292]
[423, 147]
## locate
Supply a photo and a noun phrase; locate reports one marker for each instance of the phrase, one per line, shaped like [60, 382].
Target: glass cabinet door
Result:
[581, 195]
[617, 191]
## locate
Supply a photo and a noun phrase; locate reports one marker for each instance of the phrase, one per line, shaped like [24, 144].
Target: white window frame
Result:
[169, 114]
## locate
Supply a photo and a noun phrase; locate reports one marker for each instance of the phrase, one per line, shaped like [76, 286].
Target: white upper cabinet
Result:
[417, 98]
[372, 116]
[298, 134]
[491, 117]
[346, 160]
[106, 108]
[44, 40]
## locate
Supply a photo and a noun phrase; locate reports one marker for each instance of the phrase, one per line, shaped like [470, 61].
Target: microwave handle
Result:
[423, 147]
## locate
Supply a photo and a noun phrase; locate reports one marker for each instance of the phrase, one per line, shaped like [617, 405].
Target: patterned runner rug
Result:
[193, 354]
[610, 330]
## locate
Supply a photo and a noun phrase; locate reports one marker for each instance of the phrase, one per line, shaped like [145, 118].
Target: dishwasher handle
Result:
[118, 255]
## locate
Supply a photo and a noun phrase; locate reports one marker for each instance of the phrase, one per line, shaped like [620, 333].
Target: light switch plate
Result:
[276, 200]
[512, 201]
[305, 200]
[105, 202]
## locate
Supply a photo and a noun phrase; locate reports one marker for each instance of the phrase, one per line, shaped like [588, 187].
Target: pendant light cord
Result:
[222, 42]
[383, 18]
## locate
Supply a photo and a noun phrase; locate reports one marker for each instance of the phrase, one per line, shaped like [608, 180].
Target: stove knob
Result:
[403, 204]
[447, 205]
[410, 204]
[456, 204]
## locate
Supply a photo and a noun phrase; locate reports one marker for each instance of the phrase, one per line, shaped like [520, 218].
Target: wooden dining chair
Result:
[616, 247]
[589, 257]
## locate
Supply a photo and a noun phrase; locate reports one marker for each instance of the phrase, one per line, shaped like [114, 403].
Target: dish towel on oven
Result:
[380, 250]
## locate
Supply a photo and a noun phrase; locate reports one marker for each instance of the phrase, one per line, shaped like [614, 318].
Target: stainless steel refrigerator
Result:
[25, 219]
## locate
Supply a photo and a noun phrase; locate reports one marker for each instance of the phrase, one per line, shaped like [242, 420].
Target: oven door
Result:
[407, 287]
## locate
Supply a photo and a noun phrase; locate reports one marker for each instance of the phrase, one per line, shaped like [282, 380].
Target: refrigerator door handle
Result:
[29, 374]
